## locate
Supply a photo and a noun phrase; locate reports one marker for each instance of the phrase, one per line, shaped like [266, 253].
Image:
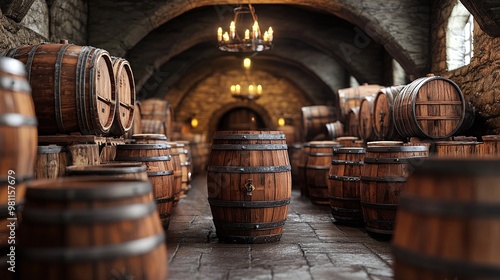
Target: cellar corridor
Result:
[312, 247]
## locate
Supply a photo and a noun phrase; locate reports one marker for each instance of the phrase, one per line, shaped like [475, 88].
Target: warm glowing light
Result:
[247, 62]
[259, 89]
[219, 34]
[194, 122]
[247, 34]
[281, 121]
[232, 29]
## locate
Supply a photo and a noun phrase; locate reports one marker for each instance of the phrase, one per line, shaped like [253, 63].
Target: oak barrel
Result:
[351, 97]
[125, 96]
[199, 157]
[318, 164]
[334, 130]
[383, 122]
[383, 178]
[304, 191]
[158, 109]
[490, 146]
[73, 87]
[153, 126]
[455, 149]
[344, 179]
[185, 155]
[448, 220]
[429, 107]
[176, 164]
[314, 119]
[51, 162]
[249, 185]
[156, 156]
[294, 152]
[352, 122]
[365, 120]
[84, 154]
[136, 123]
[91, 228]
[350, 141]
[18, 138]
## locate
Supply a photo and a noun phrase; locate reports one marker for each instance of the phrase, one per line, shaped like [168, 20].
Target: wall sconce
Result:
[194, 122]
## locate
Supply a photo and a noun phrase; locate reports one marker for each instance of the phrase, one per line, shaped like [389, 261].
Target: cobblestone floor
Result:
[312, 246]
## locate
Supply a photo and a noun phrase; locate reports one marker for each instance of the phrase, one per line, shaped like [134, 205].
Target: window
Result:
[459, 37]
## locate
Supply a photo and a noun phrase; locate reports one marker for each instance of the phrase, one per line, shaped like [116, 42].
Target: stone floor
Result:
[312, 246]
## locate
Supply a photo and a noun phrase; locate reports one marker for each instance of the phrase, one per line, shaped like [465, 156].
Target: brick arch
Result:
[261, 111]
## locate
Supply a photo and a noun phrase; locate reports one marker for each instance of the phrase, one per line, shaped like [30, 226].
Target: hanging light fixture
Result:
[247, 41]
[249, 90]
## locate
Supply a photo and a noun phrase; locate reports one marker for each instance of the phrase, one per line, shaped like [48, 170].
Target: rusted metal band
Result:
[390, 149]
[248, 204]
[29, 61]
[80, 83]
[164, 200]
[345, 210]
[347, 162]
[15, 84]
[113, 190]
[384, 179]
[349, 150]
[344, 178]
[249, 169]
[392, 160]
[17, 120]
[88, 216]
[160, 173]
[269, 238]
[143, 159]
[248, 226]
[249, 147]
[143, 147]
[353, 199]
[460, 268]
[384, 206]
[105, 252]
[459, 209]
[249, 137]
[165, 215]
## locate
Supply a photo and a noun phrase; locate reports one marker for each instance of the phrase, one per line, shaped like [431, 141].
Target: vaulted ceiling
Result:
[172, 45]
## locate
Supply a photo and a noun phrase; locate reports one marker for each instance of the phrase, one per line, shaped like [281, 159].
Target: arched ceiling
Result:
[318, 44]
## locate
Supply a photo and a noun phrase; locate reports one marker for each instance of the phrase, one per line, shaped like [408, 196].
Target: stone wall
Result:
[480, 80]
[207, 98]
[69, 21]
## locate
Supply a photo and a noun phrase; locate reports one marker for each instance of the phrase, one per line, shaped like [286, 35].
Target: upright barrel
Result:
[365, 121]
[383, 178]
[429, 107]
[383, 106]
[304, 191]
[154, 152]
[448, 220]
[318, 164]
[125, 96]
[456, 149]
[18, 137]
[122, 170]
[352, 122]
[90, 228]
[51, 161]
[249, 185]
[160, 110]
[73, 87]
[344, 179]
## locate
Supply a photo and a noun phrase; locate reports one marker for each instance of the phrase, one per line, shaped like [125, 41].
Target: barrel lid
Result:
[384, 143]
[86, 188]
[12, 66]
[245, 135]
[106, 169]
[150, 136]
[455, 143]
[324, 143]
[458, 167]
[347, 138]
[491, 137]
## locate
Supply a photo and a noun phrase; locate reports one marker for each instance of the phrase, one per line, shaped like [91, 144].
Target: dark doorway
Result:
[241, 118]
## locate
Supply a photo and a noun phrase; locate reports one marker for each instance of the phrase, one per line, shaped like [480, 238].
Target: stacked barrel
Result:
[84, 103]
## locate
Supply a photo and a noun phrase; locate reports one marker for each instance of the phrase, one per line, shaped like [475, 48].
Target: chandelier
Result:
[252, 41]
[249, 90]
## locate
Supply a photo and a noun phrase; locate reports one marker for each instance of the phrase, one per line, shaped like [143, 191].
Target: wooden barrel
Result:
[291, 133]
[176, 163]
[249, 185]
[448, 220]
[334, 130]
[294, 152]
[84, 154]
[383, 178]
[122, 170]
[344, 179]
[314, 119]
[490, 146]
[383, 122]
[158, 109]
[352, 122]
[365, 120]
[199, 157]
[429, 107]
[352, 97]
[18, 138]
[469, 118]
[51, 162]
[350, 141]
[186, 165]
[318, 164]
[125, 96]
[455, 149]
[136, 123]
[153, 126]
[304, 191]
[160, 171]
[73, 87]
[108, 153]
[91, 228]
